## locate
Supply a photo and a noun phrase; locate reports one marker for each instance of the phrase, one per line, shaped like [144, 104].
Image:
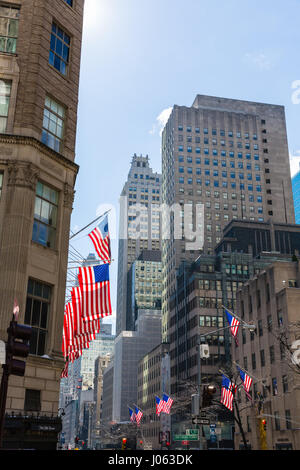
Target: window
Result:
[274, 386]
[9, 25]
[45, 215]
[32, 400]
[5, 90]
[288, 419]
[272, 354]
[59, 49]
[262, 358]
[285, 386]
[36, 314]
[1, 182]
[53, 124]
[253, 360]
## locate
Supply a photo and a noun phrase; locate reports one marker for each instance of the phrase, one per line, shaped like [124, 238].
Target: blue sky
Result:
[140, 57]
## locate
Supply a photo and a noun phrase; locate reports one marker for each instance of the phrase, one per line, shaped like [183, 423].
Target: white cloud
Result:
[111, 319]
[295, 162]
[161, 121]
[259, 60]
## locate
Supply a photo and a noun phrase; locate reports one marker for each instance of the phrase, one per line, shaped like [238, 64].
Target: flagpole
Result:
[251, 375]
[234, 315]
[100, 217]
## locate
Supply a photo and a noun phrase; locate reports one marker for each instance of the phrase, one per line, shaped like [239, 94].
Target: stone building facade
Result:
[271, 302]
[39, 79]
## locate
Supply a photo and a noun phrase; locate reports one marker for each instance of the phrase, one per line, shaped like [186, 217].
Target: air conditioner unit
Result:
[204, 351]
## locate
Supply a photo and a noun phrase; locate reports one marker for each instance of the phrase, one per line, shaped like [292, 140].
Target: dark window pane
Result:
[30, 286]
[35, 320]
[42, 341]
[33, 341]
[38, 288]
[44, 315]
[46, 292]
[32, 400]
[28, 310]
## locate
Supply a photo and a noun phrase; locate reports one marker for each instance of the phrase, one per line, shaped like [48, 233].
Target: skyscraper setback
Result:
[139, 229]
[230, 155]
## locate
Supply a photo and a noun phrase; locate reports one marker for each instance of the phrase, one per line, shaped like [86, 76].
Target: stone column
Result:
[16, 238]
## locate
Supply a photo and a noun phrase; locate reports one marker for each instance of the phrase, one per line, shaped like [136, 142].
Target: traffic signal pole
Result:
[19, 348]
[3, 397]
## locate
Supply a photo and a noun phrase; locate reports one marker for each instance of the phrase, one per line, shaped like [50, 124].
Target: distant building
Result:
[296, 194]
[145, 281]
[130, 347]
[150, 384]
[107, 397]
[102, 345]
[101, 364]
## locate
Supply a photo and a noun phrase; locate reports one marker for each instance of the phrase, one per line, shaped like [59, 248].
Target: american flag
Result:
[227, 398]
[159, 405]
[227, 391]
[132, 415]
[234, 324]
[95, 288]
[76, 333]
[101, 240]
[80, 325]
[167, 403]
[138, 415]
[64, 373]
[246, 379]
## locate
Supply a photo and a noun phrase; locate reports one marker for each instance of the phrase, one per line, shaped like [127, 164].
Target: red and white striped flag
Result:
[95, 290]
[65, 371]
[101, 240]
[227, 398]
[138, 415]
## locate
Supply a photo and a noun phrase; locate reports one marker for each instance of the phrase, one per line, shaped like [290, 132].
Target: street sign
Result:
[192, 432]
[204, 421]
[185, 437]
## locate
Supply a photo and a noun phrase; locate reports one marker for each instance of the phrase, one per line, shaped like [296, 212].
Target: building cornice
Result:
[33, 142]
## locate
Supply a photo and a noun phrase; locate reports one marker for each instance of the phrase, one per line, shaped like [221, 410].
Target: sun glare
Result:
[95, 14]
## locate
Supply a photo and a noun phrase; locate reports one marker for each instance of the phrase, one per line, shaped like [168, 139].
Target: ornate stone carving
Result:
[22, 174]
[69, 195]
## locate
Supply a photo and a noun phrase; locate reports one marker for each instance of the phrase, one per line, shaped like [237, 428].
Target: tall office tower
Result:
[40, 49]
[231, 156]
[139, 228]
[296, 194]
[145, 283]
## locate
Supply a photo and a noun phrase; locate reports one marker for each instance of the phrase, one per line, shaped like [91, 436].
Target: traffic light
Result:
[207, 395]
[17, 345]
[124, 443]
[264, 424]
